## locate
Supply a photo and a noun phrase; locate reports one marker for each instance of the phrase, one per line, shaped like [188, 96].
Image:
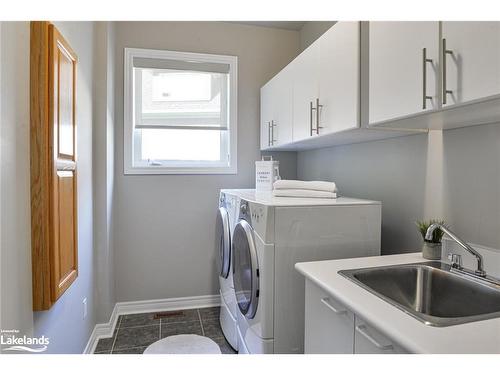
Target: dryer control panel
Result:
[260, 218]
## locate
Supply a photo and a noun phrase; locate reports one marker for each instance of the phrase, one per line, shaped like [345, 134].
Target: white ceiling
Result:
[288, 25]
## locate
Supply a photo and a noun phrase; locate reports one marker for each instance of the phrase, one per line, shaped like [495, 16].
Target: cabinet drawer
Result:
[329, 326]
[368, 340]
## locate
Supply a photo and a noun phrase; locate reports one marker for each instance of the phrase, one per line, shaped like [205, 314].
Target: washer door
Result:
[245, 269]
[223, 242]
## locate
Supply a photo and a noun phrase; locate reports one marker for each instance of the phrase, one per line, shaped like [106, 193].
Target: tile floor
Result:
[135, 332]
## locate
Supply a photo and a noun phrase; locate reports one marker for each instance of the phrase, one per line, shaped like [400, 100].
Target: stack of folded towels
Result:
[304, 189]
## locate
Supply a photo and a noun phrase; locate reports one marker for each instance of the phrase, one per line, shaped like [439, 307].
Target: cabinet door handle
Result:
[272, 132]
[362, 330]
[425, 60]
[311, 109]
[318, 107]
[326, 300]
[269, 133]
[445, 52]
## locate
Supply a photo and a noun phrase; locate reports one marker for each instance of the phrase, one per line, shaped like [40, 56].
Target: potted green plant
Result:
[431, 249]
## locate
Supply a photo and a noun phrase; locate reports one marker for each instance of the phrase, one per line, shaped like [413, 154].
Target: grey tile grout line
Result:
[201, 323]
[117, 330]
[152, 325]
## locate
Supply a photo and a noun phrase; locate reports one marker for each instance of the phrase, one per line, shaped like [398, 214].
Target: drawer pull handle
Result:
[362, 330]
[335, 310]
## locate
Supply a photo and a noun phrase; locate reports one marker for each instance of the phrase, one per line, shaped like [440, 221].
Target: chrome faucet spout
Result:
[428, 236]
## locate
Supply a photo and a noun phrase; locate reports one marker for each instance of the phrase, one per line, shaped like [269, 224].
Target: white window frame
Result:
[129, 117]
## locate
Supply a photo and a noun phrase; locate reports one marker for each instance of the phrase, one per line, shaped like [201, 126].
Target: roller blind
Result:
[169, 64]
[179, 94]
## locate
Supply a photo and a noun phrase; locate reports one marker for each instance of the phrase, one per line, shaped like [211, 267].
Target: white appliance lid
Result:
[267, 198]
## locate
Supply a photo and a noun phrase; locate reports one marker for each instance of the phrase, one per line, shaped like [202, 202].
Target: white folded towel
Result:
[301, 193]
[305, 185]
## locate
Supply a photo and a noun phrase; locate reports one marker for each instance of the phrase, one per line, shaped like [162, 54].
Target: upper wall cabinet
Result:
[305, 92]
[470, 61]
[326, 83]
[276, 110]
[339, 71]
[403, 69]
[434, 75]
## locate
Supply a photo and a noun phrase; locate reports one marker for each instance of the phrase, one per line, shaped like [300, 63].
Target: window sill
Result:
[179, 171]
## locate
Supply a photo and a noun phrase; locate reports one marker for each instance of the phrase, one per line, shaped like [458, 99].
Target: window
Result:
[179, 112]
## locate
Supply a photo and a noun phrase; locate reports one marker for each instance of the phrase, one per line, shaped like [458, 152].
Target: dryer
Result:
[226, 220]
[271, 235]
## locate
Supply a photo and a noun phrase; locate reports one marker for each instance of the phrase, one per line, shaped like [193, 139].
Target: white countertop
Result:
[413, 335]
[267, 198]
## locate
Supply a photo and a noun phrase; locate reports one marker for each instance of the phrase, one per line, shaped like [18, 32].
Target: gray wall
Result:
[103, 151]
[312, 30]
[164, 224]
[15, 258]
[63, 324]
[453, 174]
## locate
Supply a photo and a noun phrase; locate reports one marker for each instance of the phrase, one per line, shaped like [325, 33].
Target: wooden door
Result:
[473, 61]
[53, 165]
[396, 69]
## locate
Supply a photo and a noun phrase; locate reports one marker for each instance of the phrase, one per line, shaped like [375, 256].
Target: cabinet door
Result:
[266, 105]
[329, 326]
[53, 165]
[62, 116]
[305, 91]
[472, 68]
[339, 71]
[367, 340]
[282, 100]
[397, 69]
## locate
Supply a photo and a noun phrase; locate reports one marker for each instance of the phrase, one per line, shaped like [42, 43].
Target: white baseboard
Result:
[105, 330]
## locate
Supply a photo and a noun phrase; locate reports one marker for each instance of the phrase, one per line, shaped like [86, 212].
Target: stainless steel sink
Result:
[430, 292]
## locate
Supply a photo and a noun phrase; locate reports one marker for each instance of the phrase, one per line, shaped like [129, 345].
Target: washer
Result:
[272, 235]
[226, 220]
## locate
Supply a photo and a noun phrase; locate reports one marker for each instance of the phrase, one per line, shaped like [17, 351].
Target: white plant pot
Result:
[431, 251]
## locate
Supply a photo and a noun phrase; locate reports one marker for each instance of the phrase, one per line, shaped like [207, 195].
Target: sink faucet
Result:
[428, 236]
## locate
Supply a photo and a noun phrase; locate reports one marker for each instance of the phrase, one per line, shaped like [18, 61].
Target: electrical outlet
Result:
[84, 302]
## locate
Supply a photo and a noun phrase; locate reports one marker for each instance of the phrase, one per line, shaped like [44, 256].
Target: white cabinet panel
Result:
[396, 69]
[305, 91]
[266, 94]
[339, 70]
[276, 110]
[473, 66]
[367, 340]
[329, 326]
[282, 107]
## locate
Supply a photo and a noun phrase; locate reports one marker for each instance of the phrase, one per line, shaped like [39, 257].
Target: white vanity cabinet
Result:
[403, 80]
[331, 328]
[471, 64]
[276, 110]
